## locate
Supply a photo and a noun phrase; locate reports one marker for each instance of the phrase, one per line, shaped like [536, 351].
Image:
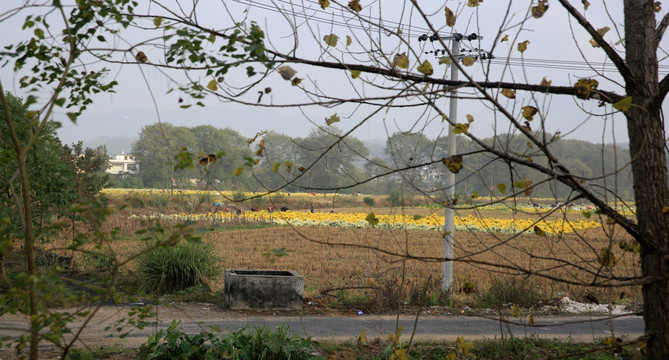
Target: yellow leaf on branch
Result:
[529, 112]
[522, 46]
[331, 40]
[450, 17]
[584, 87]
[511, 94]
[425, 68]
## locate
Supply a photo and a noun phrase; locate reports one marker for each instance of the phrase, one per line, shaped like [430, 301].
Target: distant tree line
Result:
[323, 161]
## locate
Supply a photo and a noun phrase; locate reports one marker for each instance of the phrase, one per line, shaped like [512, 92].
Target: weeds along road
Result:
[201, 317]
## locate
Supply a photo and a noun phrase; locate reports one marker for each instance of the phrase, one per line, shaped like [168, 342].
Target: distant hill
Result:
[128, 122]
[115, 144]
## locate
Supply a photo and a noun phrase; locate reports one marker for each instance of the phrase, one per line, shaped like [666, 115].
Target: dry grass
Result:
[341, 257]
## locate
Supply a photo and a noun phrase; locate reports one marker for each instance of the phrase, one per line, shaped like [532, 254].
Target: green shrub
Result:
[159, 200]
[395, 198]
[98, 262]
[369, 201]
[468, 287]
[174, 268]
[509, 291]
[238, 196]
[205, 198]
[135, 201]
[257, 343]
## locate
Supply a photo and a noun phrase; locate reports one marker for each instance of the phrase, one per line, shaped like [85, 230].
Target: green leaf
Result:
[72, 116]
[355, 74]
[349, 41]
[332, 119]
[501, 188]
[212, 85]
[39, 33]
[184, 159]
[623, 105]
[331, 40]
[445, 60]
[238, 171]
[157, 21]
[275, 167]
[539, 231]
[587, 214]
[475, 195]
[31, 114]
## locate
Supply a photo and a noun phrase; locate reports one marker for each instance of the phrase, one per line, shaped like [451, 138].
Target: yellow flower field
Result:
[358, 220]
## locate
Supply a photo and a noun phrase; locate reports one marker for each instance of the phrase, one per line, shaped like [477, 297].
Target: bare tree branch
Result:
[610, 51]
[661, 28]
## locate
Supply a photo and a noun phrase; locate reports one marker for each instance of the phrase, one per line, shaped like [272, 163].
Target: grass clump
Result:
[369, 201]
[256, 343]
[536, 348]
[174, 268]
[509, 291]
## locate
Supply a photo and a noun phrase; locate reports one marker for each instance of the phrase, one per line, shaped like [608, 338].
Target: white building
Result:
[122, 164]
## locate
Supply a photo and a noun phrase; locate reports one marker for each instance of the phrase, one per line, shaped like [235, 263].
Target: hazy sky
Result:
[551, 53]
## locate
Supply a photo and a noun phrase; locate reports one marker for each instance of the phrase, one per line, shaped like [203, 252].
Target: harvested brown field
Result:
[394, 265]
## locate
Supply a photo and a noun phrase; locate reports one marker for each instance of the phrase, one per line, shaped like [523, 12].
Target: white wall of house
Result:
[122, 163]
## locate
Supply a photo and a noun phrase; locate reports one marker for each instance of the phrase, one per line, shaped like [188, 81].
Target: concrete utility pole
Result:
[449, 212]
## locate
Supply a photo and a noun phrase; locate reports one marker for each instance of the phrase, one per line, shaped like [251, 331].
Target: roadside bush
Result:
[98, 262]
[369, 201]
[509, 291]
[174, 268]
[257, 343]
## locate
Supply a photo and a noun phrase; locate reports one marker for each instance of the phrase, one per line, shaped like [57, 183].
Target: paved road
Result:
[196, 318]
[432, 327]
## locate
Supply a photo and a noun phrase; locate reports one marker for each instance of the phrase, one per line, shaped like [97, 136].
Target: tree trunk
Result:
[651, 191]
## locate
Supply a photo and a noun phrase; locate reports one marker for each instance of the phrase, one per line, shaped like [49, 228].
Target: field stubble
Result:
[380, 261]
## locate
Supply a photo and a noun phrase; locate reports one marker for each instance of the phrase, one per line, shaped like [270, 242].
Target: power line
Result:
[330, 18]
[316, 14]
